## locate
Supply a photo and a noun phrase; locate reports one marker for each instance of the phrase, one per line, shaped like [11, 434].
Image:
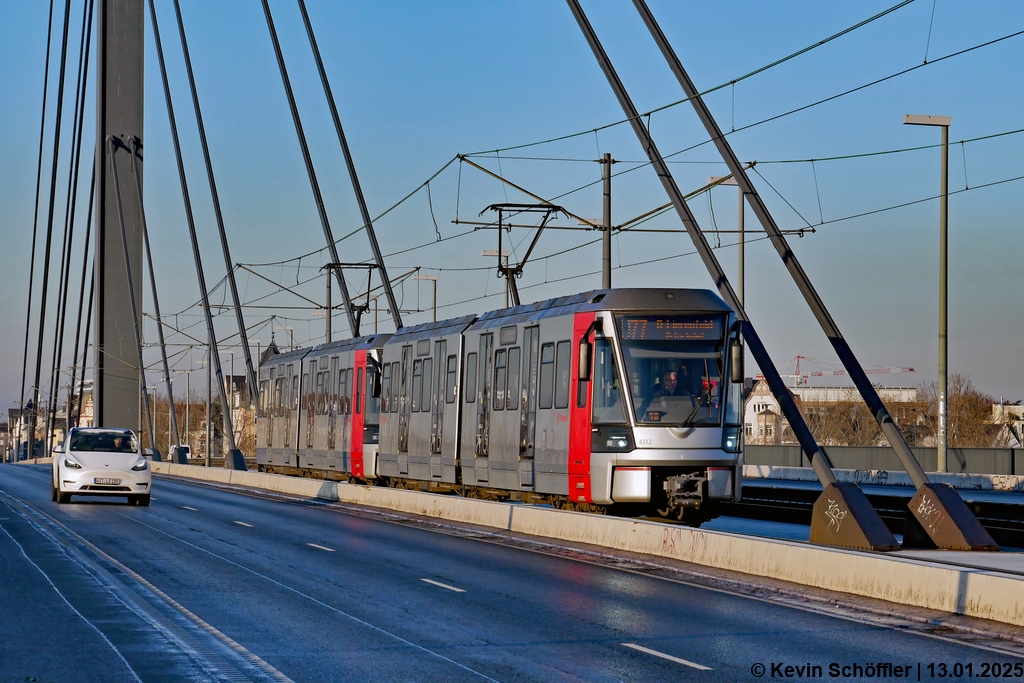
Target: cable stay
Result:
[215, 196]
[236, 459]
[311, 172]
[396, 315]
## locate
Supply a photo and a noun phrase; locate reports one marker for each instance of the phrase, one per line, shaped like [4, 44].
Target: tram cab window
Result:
[674, 366]
[373, 405]
[608, 408]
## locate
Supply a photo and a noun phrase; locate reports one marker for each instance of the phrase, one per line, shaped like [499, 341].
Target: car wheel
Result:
[143, 500]
[62, 497]
[53, 492]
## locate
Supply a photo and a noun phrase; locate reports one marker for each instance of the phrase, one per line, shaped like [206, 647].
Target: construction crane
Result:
[800, 378]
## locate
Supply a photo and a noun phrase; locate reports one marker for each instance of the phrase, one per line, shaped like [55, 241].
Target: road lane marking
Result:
[677, 660]
[316, 601]
[192, 509]
[320, 547]
[443, 585]
[243, 524]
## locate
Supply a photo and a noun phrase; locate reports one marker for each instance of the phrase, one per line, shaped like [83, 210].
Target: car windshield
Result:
[674, 367]
[110, 442]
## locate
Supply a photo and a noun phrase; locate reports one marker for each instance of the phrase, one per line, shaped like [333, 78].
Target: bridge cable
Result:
[356, 187]
[49, 226]
[81, 303]
[215, 196]
[112, 146]
[156, 299]
[88, 326]
[200, 275]
[70, 206]
[353, 323]
[35, 218]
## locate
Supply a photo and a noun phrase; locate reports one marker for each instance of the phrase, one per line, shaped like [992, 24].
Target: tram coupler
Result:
[844, 518]
[939, 518]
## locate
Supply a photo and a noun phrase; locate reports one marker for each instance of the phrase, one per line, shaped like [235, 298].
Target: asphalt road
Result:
[208, 584]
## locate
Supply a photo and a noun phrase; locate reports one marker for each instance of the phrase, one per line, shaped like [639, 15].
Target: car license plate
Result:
[106, 480]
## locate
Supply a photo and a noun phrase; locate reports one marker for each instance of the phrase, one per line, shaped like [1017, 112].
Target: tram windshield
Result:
[674, 368]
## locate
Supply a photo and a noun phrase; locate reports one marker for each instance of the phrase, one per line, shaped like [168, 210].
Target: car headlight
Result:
[71, 464]
[140, 466]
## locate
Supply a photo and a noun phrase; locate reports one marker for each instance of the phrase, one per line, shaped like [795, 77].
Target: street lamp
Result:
[943, 122]
[432, 279]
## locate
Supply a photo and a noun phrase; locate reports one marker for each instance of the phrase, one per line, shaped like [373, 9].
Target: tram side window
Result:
[348, 392]
[373, 405]
[396, 371]
[562, 373]
[428, 374]
[295, 392]
[512, 392]
[263, 396]
[470, 377]
[342, 391]
[499, 379]
[359, 391]
[385, 388]
[417, 383]
[547, 375]
[453, 378]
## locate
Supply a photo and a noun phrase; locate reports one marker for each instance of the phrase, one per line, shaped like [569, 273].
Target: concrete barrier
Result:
[973, 482]
[987, 594]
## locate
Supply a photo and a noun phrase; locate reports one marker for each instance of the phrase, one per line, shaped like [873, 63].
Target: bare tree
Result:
[970, 412]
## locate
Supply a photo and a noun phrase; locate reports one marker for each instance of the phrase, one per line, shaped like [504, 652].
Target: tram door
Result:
[437, 408]
[403, 411]
[528, 417]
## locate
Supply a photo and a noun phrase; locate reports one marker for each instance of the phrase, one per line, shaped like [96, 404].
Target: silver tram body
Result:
[496, 405]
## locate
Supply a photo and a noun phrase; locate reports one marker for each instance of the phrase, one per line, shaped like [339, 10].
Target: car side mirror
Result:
[58, 449]
[736, 361]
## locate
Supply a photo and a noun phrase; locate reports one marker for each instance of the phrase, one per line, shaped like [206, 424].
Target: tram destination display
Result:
[674, 327]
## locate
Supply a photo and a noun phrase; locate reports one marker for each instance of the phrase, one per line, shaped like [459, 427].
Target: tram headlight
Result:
[609, 439]
[731, 441]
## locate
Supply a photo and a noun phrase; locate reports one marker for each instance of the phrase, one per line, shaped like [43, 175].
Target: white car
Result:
[104, 462]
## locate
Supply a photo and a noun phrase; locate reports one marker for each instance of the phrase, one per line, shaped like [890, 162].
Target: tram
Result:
[626, 401]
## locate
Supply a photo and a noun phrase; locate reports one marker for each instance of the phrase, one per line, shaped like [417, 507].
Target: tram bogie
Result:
[609, 400]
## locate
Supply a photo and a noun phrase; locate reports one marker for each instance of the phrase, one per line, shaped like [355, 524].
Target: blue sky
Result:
[417, 83]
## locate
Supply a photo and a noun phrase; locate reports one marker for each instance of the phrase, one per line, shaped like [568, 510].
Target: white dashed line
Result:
[443, 585]
[188, 508]
[243, 524]
[677, 660]
[320, 547]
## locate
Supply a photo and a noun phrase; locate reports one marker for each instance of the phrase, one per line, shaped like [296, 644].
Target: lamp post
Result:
[943, 431]
[433, 280]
